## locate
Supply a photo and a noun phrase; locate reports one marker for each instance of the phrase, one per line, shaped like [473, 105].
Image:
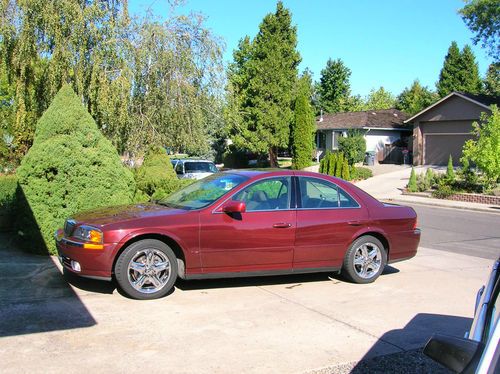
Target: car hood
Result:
[104, 216]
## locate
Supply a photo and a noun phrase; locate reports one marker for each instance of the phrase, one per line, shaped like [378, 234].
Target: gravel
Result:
[409, 362]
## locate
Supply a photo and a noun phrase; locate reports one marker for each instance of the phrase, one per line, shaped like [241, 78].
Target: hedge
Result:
[8, 187]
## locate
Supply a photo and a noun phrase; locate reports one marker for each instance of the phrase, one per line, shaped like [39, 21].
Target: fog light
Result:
[75, 266]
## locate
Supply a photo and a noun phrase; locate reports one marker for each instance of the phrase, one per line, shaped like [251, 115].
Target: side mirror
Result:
[234, 206]
[455, 353]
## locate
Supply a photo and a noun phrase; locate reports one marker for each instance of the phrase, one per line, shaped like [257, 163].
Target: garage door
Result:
[439, 147]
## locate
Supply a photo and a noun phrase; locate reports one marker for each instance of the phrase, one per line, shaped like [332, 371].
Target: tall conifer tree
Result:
[449, 79]
[269, 67]
[303, 126]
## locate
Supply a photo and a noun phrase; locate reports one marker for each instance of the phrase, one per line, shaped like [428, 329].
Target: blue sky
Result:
[385, 43]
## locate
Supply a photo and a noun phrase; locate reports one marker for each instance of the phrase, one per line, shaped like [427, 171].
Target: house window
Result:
[321, 140]
[335, 139]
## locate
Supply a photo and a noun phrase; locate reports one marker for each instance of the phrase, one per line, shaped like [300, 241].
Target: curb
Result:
[438, 204]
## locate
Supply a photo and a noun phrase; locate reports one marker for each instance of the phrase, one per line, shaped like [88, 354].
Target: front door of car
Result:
[261, 238]
[327, 219]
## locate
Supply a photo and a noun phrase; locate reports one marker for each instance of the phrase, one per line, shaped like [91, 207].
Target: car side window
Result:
[267, 194]
[345, 200]
[178, 168]
[320, 194]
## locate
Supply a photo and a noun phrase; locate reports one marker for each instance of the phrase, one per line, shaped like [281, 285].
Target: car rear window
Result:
[203, 167]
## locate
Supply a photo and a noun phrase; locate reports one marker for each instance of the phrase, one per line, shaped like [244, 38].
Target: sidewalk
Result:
[388, 187]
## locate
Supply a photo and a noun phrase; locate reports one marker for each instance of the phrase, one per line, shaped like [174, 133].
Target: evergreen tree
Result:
[459, 73]
[303, 126]
[345, 170]
[380, 99]
[450, 172]
[334, 88]
[412, 183]
[491, 82]
[270, 68]
[71, 167]
[332, 163]
[339, 164]
[415, 98]
[449, 77]
[470, 79]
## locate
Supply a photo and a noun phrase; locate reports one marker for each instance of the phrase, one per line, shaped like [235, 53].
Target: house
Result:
[441, 129]
[382, 129]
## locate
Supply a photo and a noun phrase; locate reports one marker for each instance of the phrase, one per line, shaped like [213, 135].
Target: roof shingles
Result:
[383, 119]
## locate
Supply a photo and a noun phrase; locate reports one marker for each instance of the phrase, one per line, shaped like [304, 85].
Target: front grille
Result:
[66, 261]
[69, 227]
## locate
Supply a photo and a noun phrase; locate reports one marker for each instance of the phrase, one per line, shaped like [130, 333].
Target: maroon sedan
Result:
[240, 223]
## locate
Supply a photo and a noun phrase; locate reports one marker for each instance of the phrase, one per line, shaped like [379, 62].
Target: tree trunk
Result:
[273, 157]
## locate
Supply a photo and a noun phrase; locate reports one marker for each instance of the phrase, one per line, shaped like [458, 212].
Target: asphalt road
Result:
[460, 231]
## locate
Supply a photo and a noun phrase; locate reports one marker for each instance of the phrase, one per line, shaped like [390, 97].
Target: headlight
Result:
[88, 234]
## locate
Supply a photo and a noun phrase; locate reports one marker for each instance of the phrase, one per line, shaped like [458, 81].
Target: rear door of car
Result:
[328, 218]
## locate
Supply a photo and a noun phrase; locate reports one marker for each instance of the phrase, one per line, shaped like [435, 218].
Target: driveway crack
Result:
[332, 318]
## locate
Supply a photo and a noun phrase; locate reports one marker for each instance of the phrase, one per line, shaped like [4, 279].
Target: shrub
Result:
[345, 171]
[323, 164]
[156, 178]
[339, 163]
[485, 151]
[429, 178]
[412, 183]
[360, 173]
[332, 163]
[450, 173]
[443, 191]
[8, 186]
[353, 146]
[70, 167]
[235, 158]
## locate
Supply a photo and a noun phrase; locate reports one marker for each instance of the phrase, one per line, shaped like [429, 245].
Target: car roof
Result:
[253, 173]
[190, 159]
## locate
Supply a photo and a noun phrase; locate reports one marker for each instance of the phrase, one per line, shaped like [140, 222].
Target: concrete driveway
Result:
[283, 324]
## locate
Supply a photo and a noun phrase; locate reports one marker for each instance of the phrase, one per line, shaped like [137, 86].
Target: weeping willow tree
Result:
[177, 78]
[144, 81]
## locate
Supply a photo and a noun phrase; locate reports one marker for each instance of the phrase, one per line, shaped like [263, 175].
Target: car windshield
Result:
[199, 166]
[204, 192]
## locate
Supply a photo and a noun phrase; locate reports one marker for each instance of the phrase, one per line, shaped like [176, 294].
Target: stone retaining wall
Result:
[476, 198]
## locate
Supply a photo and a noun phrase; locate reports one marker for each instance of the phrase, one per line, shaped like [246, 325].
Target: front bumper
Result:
[93, 263]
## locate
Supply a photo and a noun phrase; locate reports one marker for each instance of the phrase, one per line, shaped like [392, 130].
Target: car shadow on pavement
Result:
[87, 284]
[34, 296]
[257, 281]
[405, 345]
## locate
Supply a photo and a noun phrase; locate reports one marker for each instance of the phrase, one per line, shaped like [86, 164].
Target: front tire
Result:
[146, 269]
[364, 260]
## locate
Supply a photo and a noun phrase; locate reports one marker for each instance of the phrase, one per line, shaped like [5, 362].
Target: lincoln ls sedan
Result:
[240, 223]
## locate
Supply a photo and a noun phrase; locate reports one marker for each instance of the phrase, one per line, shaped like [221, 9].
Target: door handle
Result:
[282, 225]
[354, 223]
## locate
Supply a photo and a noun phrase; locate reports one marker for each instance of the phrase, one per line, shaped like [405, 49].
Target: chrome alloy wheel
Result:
[148, 271]
[367, 260]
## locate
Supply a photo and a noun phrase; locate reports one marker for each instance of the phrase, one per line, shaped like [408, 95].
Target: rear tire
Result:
[364, 260]
[146, 269]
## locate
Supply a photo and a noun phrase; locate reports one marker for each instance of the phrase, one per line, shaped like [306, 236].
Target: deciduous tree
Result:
[415, 98]
[484, 150]
[380, 99]
[334, 88]
[483, 18]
